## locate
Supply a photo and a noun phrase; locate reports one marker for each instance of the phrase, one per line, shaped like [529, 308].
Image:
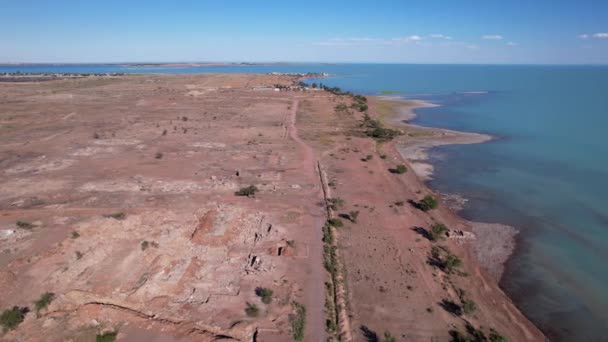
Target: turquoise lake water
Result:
[546, 172]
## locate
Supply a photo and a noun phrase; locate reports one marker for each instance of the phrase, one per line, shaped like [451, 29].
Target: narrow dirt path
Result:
[315, 303]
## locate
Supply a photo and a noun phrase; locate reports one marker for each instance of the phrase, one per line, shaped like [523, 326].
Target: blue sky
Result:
[451, 31]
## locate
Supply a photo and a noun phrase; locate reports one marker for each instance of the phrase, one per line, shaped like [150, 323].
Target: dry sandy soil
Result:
[126, 186]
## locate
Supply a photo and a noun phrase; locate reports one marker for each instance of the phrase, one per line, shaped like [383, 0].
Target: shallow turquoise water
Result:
[546, 173]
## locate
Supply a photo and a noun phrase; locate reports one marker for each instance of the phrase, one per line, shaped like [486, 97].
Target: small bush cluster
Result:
[11, 318]
[116, 216]
[248, 191]
[265, 294]
[298, 321]
[44, 301]
[476, 335]
[427, 203]
[399, 169]
[24, 225]
[252, 310]
[374, 129]
[341, 108]
[335, 222]
[109, 336]
[444, 259]
[335, 203]
[437, 232]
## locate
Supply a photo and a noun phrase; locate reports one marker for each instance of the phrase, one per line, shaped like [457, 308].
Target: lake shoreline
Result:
[494, 243]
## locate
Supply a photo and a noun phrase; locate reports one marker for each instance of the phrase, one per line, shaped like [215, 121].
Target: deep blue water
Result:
[546, 173]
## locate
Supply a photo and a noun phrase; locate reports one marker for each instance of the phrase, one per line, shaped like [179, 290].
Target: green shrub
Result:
[496, 337]
[44, 301]
[335, 222]
[11, 318]
[341, 108]
[382, 134]
[400, 169]
[247, 191]
[335, 203]
[265, 294]
[388, 337]
[298, 321]
[360, 98]
[437, 232]
[327, 237]
[106, 337]
[252, 310]
[451, 262]
[75, 235]
[24, 225]
[457, 336]
[144, 245]
[116, 216]
[468, 306]
[329, 258]
[427, 203]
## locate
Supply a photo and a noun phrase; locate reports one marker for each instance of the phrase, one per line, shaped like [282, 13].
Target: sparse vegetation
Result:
[444, 259]
[335, 203]
[44, 301]
[248, 191]
[329, 258]
[116, 216]
[496, 337]
[399, 169]
[476, 335]
[298, 321]
[158, 155]
[374, 129]
[367, 158]
[341, 108]
[24, 225]
[165, 132]
[437, 232]
[353, 215]
[11, 318]
[252, 310]
[388, 337]
[96, 136]
[79, 255]
[109, 336]
[75, 235]
[451, 262]
[144, 245]
[335, 222]
[469, 306]
[427, 203]
[327, 237]
[265, 294]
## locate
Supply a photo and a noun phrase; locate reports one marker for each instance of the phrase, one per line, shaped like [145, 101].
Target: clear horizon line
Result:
[293, 62]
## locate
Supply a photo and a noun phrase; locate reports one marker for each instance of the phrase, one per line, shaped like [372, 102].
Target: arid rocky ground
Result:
[124, 191]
